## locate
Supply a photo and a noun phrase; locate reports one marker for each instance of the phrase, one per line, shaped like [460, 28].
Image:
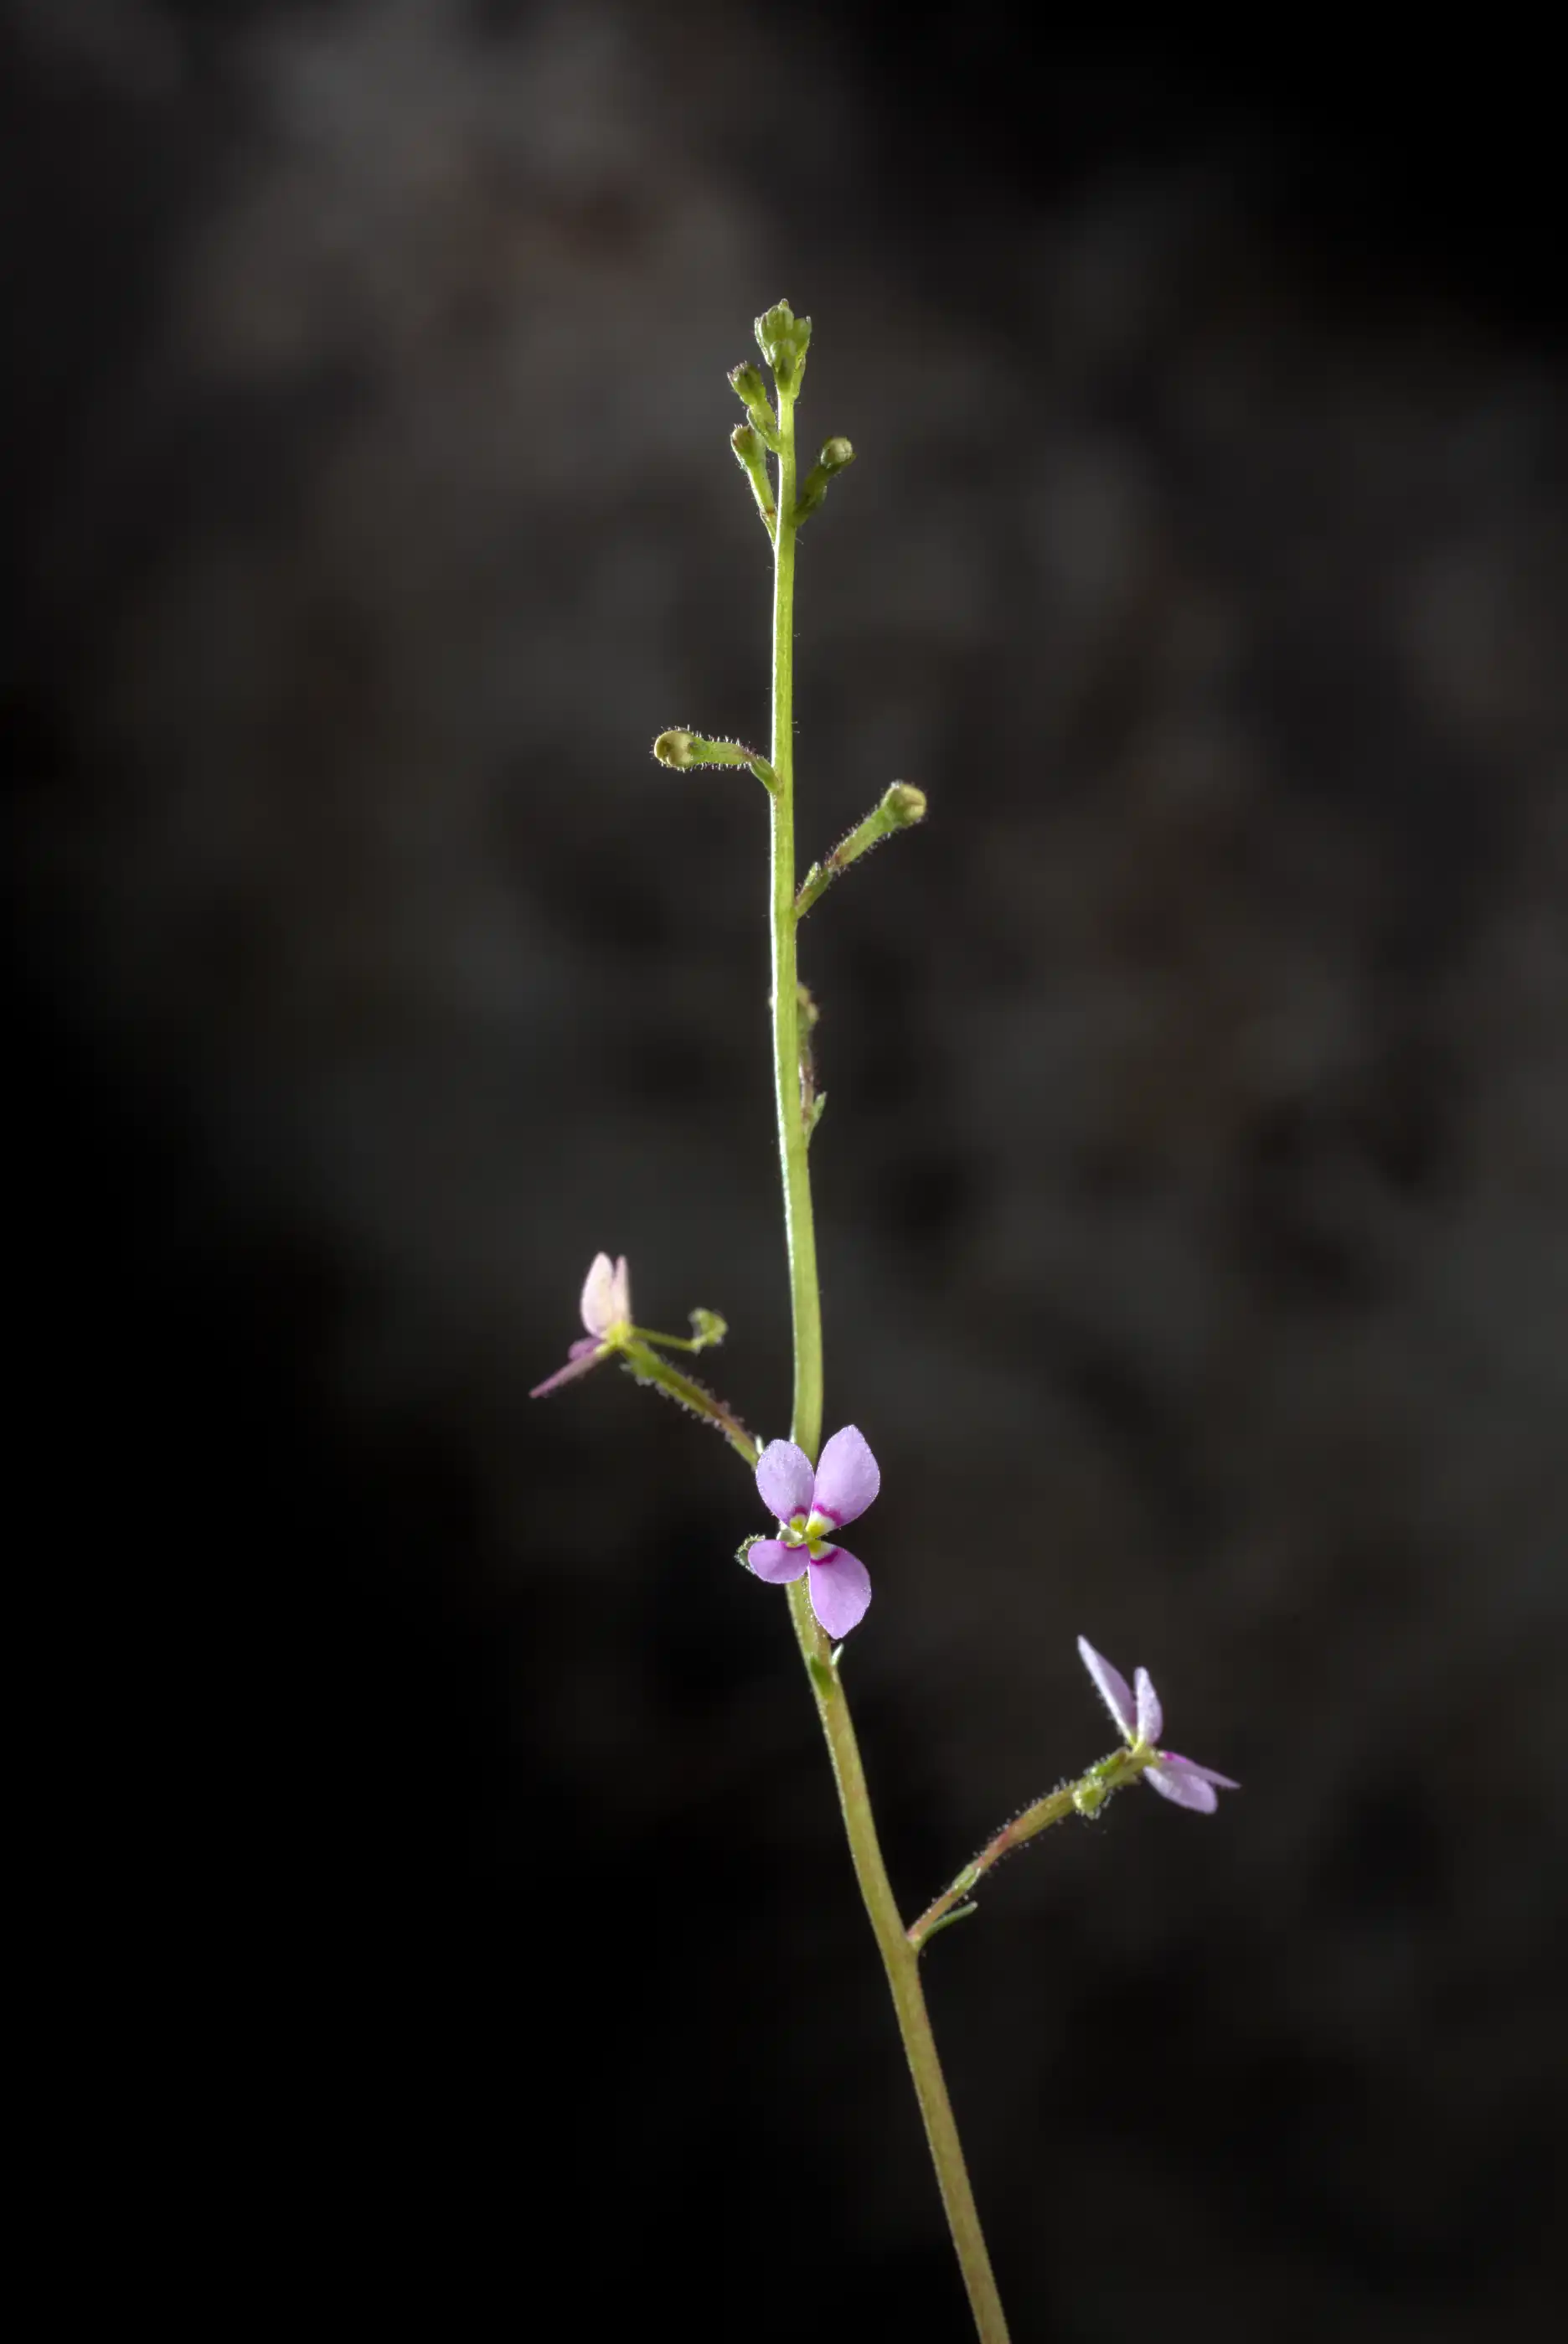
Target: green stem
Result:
[800, 1230]
[1084, 1797]
[900, 1958]
[649, 1367]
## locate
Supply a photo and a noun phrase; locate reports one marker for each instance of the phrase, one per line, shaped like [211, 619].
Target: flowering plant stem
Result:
[899, 1950]
[1084, 1797]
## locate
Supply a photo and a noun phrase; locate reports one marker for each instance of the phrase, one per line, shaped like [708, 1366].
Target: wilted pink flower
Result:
[606, 1313]
[1181, 1779]
[811, 1507]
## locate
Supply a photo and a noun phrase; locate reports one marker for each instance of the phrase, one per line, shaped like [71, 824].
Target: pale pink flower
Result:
[1142, 1721]
[606, 1313]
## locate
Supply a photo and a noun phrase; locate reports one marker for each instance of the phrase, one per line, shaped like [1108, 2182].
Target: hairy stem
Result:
[649, 1367]
[900, 1957]
[1084, 1797]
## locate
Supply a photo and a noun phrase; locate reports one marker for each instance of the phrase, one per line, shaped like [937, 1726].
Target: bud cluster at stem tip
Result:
[784, 340]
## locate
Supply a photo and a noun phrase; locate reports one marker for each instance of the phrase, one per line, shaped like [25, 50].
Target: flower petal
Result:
[847, 1476]
[579, 1360]
[1174, 1757]
[1150, 1716]
[620, 1289]
[1112, 1687]
[785, 1479]
[599, 1297]
[774, 1561]
[1186, 1783]
[840, 1588]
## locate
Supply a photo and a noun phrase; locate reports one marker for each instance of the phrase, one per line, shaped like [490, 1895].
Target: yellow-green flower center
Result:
[812, 1531]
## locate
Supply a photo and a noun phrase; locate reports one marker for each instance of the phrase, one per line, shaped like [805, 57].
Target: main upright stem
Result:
[800, 1230]
[900, 1958]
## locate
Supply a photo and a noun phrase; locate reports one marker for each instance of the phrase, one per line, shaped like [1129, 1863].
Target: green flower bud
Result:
[674, 749]
[682, 749]
[903, 804]
[835, 454]
[748, 385]
[900, 807]
[784, 340]
[749, 388]
[678, 750]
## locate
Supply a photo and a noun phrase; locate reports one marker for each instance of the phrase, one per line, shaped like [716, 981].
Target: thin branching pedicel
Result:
[829, 1588]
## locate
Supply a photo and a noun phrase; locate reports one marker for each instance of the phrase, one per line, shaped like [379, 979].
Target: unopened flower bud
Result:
[900, 806]
[674, 749]
[784, 340]
[903, 804]
[747, 382]
[835, 454]
[678, 750]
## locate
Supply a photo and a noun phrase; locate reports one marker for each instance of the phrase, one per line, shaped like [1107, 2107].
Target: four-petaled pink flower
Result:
[811, 1509]
[1181, 1779]
[606, 1314]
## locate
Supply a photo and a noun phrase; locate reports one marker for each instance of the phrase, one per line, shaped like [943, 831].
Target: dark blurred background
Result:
[447, 1888]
